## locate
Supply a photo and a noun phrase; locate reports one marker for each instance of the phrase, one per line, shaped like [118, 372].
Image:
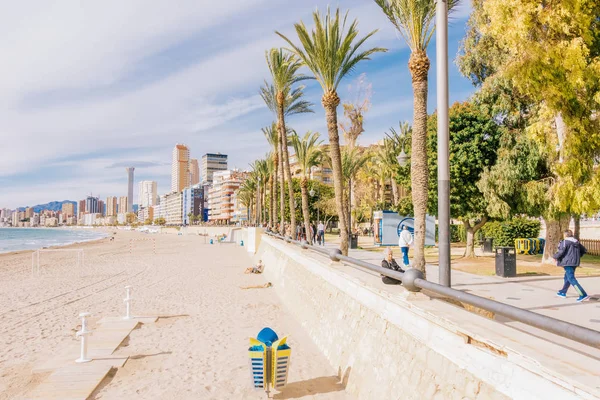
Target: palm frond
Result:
[330, 50]
[308, 150]
[413, 19]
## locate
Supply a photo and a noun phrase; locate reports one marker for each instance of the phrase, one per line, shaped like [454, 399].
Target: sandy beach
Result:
[196, 349]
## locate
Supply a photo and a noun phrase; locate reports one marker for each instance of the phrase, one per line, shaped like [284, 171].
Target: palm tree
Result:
[272, 136]
[415, 22]
[353, 159]
[331, 53]
[259, 176]
[395, 142]
[308, 154]
[284, 101]
[245, 195]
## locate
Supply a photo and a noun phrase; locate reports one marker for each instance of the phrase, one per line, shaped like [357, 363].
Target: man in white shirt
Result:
[321, 233]
[405, 240]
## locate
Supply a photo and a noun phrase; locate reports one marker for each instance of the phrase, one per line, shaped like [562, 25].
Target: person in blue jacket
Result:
[568, 256]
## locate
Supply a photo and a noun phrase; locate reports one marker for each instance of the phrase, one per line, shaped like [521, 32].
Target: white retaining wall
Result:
[404, 346]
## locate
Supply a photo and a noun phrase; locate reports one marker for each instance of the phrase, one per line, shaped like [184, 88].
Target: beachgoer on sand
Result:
[255, 270]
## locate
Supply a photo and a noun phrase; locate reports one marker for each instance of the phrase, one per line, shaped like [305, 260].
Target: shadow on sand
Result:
[310, 387]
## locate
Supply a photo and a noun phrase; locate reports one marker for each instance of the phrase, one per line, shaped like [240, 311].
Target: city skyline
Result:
[146, 86]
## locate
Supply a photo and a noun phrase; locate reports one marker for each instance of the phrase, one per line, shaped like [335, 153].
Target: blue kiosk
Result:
[389, 224]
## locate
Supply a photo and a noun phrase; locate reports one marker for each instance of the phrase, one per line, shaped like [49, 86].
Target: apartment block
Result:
[212, 163]
[221, 195]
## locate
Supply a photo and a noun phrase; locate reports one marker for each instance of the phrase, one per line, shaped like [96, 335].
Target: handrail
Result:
[413, 281]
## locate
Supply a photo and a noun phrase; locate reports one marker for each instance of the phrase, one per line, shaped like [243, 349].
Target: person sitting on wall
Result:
[390, 263]
[255, 270]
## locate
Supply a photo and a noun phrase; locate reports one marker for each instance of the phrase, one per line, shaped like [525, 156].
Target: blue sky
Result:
[87, 88]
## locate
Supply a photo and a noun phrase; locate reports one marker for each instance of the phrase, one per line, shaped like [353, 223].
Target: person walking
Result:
[569, 256]
[321, 233]
[405, 240]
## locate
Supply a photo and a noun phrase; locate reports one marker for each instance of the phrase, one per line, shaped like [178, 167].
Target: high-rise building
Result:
[147, 193]
[130, 188]
[123, 205]
[195, 171]
[221, 195]
[111, 206]
[81, 207]
[211, 163]
[193, 203]
[101, 207]
[28, 212]
[68, 210]
[180, 168]
[173, 207]
[91, 205]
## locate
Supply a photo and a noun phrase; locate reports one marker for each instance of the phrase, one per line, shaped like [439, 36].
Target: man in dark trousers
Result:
[390, 263]
[568, 256]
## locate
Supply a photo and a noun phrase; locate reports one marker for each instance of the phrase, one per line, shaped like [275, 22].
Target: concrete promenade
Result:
[534, 293]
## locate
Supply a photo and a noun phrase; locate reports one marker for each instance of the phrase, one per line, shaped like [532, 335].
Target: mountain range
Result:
[52, 206]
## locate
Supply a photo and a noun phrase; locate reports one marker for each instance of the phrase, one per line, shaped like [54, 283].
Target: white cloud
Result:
[72, 93]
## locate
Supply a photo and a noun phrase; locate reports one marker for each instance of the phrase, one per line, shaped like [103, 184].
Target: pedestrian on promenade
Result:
[321, 233]
[568, 256]
[313, 232]
[390, 263]
[405, 240]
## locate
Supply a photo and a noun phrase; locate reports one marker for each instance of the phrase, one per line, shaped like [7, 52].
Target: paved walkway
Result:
[537, 294]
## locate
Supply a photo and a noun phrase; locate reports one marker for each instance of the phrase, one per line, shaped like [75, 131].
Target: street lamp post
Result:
[443, 141]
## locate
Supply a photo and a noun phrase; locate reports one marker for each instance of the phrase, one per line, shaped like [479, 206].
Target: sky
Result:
[88, 88]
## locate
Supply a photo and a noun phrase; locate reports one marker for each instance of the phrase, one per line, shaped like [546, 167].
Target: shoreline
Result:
[57, 246]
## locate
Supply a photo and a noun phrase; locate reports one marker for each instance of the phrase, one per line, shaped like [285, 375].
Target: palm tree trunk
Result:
[330, 103]
[286, 166]
[275, 183]
[281, 187]
[305, 212]
[419, 66]
[271, 200]
[395, 196]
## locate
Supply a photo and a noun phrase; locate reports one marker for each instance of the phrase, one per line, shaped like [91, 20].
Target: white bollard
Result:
[127, 301]
[83, 333]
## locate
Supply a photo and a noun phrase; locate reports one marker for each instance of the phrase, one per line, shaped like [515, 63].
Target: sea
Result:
[15, 239]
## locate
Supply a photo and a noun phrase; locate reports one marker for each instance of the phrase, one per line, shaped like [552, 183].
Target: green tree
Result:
[284, 100]
[415, 22]
[160, 221]
[474, 142]
[308, 154]
[331, 52]
[550, 56]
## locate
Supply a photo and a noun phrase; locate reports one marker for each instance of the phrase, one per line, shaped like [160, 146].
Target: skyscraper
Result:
[100, 206]
[195, 171]
[68, 210]
[147, 193]
[91, 205]
[130, 188]
[180, 168]
[123, 205]
[211, 163]
[111, 206]
[81, 207]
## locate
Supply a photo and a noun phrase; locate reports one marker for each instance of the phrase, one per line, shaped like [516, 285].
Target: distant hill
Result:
[53, 206]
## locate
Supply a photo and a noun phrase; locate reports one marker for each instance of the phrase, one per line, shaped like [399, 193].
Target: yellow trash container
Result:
[269, 360]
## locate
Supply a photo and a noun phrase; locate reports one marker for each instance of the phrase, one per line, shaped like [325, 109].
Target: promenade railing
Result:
[412, 280]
